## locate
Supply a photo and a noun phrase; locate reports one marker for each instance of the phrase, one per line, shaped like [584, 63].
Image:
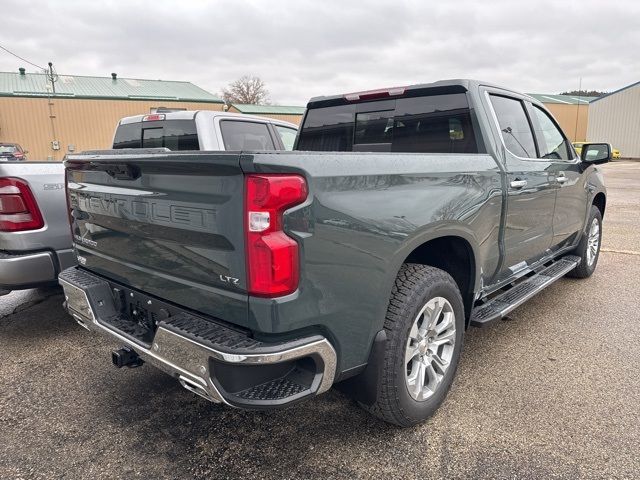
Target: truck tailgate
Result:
[168, 224]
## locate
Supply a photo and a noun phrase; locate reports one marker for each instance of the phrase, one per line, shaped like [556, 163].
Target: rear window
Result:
[431, 124]
[172, 134]
[8, 149]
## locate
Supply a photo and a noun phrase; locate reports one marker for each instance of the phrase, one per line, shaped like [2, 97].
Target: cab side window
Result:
[553, 145]
[514, 126]
[287, 135]
[240, 135]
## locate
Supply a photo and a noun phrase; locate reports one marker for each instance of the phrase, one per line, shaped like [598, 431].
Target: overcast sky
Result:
[307, 48]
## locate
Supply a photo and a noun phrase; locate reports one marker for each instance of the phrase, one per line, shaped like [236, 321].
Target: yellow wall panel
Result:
[82, 123]
[569, 117]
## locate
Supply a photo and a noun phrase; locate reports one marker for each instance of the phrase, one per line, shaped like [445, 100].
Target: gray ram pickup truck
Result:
[402, 217]
[35, 239]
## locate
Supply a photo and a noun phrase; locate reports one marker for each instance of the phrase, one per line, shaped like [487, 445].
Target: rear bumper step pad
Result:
[217, 362]
[499, 306]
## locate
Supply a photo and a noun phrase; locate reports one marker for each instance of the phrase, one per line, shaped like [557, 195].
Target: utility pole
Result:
[52, 78]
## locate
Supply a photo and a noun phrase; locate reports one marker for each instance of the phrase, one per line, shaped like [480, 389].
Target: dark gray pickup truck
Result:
[403, 216]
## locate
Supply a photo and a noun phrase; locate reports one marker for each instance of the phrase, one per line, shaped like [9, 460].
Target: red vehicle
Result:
[12, 152]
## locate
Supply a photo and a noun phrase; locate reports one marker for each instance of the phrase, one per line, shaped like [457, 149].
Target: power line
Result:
[23, 59]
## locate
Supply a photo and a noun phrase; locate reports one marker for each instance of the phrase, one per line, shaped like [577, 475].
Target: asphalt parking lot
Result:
[553, 392]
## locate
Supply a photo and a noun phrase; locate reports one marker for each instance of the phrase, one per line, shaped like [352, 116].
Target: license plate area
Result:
[137, 315]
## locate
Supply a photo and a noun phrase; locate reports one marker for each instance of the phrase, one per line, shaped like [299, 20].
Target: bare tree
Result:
[247, 89]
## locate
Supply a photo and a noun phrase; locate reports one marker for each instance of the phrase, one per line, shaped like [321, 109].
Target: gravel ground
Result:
[554, 392]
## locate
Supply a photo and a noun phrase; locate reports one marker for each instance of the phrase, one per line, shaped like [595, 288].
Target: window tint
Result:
[430, 124]
[172, 134]
[180, 135]
[239, 135]
[552, 143]
[287, 135]
[328, 129]
[514, 126]
[374, 127]
[436, 124]
[128, 135]
[152, 137]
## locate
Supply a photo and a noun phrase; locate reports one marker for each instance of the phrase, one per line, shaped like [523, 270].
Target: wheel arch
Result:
[600, 202]
[454, 252]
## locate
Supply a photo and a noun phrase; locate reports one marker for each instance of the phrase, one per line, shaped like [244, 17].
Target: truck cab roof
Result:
[208, 114]
[440, 87]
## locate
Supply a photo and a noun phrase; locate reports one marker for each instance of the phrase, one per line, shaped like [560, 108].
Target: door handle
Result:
[518, 183]
[561, 178]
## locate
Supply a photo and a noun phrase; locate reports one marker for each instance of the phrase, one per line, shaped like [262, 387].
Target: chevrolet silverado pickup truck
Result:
[35, 239]
[403, 216]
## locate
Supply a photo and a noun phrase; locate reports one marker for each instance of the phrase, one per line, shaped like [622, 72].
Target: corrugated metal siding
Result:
[269, 109]
[12, 83]
[562, 99]
[295, 119]
[566, 115]
[86, 124]
[616, 119]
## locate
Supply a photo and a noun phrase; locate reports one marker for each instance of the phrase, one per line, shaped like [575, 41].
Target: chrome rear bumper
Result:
[203, 366]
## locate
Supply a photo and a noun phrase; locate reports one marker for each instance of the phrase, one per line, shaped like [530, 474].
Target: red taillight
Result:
[272, 256]
[374, 94]
[18, 155]
[18, 208]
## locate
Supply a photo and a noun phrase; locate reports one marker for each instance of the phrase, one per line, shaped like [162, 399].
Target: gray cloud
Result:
[302, 49]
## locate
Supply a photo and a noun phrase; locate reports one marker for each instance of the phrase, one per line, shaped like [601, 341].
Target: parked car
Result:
[259, 279]
[615, 153]
[35, 239]
[12, 152]
[204, 130]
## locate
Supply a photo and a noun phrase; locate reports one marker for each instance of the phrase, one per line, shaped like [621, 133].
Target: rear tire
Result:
[424, 326]
[589, 247]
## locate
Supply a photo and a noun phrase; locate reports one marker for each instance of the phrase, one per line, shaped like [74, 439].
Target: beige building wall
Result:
[85, 124]
[295, 119]
[567, 115]
[616, 120]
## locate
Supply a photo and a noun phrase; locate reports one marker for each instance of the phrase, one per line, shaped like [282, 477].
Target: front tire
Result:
[424, 326]
[589, 247]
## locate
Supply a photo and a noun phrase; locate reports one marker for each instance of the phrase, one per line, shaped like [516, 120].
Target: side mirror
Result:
[595, 153]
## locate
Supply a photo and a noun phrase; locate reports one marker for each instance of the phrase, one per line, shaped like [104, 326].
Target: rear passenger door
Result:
[531, 189]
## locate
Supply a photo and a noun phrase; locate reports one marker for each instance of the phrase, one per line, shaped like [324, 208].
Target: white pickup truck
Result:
[204, 130]
[35, 239]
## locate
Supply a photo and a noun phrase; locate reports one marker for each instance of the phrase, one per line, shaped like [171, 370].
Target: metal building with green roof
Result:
[77, 112]
[571, 112]
[279, 112]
